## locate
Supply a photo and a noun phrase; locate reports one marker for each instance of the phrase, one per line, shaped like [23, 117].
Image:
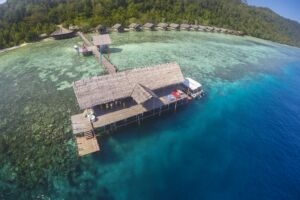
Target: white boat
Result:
[193, 88]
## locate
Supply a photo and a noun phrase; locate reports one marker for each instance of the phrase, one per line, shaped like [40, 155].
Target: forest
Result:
[24, 20]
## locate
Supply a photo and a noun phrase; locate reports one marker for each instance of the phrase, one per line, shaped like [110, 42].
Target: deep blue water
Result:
[242, 141]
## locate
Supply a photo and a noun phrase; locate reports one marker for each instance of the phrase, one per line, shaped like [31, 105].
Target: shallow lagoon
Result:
[240, 142]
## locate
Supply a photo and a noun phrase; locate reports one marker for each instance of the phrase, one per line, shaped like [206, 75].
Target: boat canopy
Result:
[191, 83]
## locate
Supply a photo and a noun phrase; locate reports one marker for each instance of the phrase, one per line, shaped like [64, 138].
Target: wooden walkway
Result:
[85, 40]
[108, 66]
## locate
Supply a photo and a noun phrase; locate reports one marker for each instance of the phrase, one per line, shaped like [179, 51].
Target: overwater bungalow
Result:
[223, 30]
[118, 28]
[101, 29]
[210, 29]
[201, 28]
[43, 35]
[62, 33]
[174, 26]
[162, 26]
[194, 27]
[149, 26]
[73, 28]
[217, 30]
[185, 27]
[135, 27]
[116, 100]
[240, 33]
[102, 42]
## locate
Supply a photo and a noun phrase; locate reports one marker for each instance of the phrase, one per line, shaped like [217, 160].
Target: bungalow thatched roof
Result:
[185, 26]
[149, 25]
[163, 25]
[135, 26]
[174, 25]
[117, 26]
[136, 83]
[61, 31]
[140, 94]
[99, 40]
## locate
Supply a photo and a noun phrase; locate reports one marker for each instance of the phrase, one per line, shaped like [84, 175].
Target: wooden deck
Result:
[86, 145]
[81, 124]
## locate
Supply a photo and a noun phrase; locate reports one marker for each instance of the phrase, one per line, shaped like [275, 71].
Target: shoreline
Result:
[14, 47]
[23, 45]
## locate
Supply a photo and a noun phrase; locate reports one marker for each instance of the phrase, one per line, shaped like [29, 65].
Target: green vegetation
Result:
[22, 21]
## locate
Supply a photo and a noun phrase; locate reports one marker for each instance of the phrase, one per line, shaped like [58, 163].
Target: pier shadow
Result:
[115, 50]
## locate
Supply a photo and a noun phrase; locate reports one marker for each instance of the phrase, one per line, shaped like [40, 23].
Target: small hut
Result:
[102, 42]
[210, 29]
[118, 28]
[201, 28]
[174, 27]
[73, 28]
[101, 29]
[135, 27]
[43, 35]
[241, 33]
[185, 27]
[149, 26]
[162, 26]
[223, 30]
[194, 27]
[62, 33]
[217, 30]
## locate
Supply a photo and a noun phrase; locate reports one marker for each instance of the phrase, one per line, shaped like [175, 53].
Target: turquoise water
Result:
[240, 142]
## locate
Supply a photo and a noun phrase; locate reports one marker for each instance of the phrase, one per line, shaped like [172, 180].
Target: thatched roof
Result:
[99, 40]
[61, 31]
[140, 94]
[117, 26]
[135, 26]
[185, 26]
[136, 83]
[149, 25]
[194, 26]
[163, 25]
[174, 25]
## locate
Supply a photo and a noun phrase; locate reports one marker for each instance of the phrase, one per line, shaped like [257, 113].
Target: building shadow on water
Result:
[115, 50]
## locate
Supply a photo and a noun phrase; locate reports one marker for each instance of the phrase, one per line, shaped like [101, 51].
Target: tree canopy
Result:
[25, 20]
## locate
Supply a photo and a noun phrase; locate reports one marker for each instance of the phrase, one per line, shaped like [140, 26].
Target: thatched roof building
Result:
[135, 27]
[201, 28]
[73, 28]
[101, 29]
[194, 27]
[210, 29]
[62, 33]
[149, 26]
[118, 28]
[138, 84]
[185, 27]
[43, 35]
[101, 40]
[174, 26]
[162, 26]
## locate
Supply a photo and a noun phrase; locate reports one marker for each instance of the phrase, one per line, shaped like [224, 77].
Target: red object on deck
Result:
[176, 94]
